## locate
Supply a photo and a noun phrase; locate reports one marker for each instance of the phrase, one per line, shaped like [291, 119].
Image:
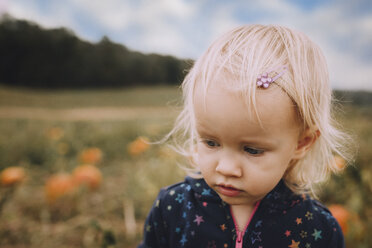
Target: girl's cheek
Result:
[204, 160]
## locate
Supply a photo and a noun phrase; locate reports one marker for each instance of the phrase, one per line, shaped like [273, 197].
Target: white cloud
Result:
[118, 15]
[111, 14]
[222, 20]
[347, 71]
[3, 6]
[58, 15]
[178, 8]
[155, 24]
[364, 31]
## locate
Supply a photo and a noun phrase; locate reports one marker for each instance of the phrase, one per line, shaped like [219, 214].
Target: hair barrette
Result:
[264, 80]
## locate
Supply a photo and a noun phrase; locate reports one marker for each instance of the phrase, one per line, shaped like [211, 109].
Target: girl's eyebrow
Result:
[200, 125]
[259, 142]
[203, 132]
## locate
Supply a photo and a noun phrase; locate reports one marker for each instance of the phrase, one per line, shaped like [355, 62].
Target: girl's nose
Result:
[229, 167]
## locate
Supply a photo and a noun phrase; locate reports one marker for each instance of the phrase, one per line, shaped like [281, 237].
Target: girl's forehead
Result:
[261, 106]
[252, 93]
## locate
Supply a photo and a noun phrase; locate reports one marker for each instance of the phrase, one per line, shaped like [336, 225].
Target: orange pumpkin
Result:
[138, 146]
[58, 185]
[91, 155]
[12, 175]
[342, 215]
[88, 175]
[339, 162]
[55, 133]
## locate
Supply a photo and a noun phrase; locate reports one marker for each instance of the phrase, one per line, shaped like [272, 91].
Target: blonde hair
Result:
[244, 53]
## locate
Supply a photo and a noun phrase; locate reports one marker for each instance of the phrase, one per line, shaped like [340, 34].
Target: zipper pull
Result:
[239, 239]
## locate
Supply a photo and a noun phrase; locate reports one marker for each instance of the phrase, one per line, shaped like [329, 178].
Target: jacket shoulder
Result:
[163, 215]
[175, 192]
[173, 198]
[312, 223]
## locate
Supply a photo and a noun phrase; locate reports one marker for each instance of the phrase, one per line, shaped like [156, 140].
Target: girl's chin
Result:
[234, 200]
[239, 200]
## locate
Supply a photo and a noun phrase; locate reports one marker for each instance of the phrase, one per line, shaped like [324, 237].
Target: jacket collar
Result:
[280, 198]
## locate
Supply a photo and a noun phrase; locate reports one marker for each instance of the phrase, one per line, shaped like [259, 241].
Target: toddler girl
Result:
[257, 130]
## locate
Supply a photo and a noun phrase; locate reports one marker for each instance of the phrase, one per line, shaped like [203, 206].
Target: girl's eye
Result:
[253, 151]
[211, 143]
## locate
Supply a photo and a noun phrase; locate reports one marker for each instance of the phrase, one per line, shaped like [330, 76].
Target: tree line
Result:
[31, 56]
[35, 57]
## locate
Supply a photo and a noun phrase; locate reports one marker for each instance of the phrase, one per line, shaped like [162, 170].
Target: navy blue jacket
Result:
[191, 214]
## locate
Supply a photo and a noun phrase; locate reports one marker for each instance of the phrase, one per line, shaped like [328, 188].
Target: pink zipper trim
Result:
[240, 234]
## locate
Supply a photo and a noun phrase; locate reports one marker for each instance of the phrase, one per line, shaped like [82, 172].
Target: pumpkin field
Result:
[82, 168]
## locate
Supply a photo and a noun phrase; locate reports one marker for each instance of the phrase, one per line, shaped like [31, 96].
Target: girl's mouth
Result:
[227, 190]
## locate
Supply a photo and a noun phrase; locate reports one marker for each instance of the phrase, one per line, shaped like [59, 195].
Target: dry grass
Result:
[111, 120]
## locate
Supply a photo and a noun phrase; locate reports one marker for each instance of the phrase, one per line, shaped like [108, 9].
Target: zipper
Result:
[240, 234]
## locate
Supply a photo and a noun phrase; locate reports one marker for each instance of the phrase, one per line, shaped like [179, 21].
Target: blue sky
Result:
[185, 28]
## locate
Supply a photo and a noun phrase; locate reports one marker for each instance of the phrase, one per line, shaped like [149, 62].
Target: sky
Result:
[185, 28]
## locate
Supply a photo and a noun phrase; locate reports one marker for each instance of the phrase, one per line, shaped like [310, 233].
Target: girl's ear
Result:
[305, 141]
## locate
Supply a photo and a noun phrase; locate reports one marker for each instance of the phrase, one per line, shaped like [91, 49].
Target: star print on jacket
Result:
[190, 214]
[198, 219]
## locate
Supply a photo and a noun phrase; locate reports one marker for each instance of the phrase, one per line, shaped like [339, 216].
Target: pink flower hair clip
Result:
[264, 81]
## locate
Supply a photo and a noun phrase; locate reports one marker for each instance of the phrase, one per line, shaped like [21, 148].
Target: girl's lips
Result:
[228, 190]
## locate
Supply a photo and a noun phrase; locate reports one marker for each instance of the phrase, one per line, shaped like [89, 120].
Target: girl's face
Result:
[239, 158]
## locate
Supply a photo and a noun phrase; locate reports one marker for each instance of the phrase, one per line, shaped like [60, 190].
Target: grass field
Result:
[45, 132]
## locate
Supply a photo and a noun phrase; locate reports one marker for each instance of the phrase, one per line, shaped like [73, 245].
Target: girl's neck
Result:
[242, 214]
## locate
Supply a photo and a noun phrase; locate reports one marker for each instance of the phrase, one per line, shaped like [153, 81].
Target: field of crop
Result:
[50, 135]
